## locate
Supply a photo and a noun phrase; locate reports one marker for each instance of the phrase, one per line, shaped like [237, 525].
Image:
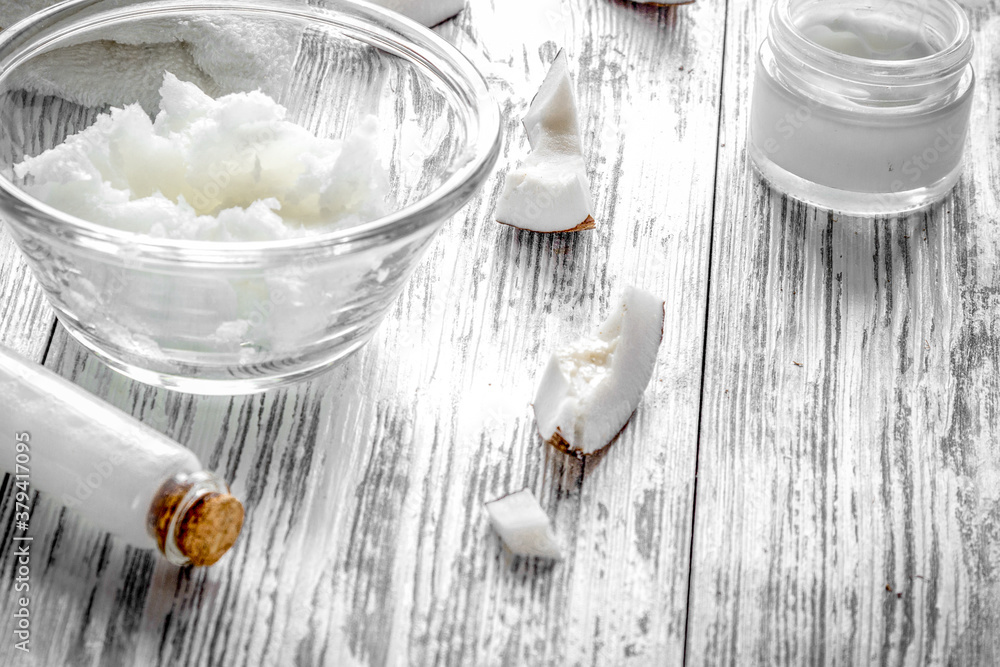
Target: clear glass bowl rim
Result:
[405, 35]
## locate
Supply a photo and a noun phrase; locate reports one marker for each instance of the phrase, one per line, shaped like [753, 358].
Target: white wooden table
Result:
[812, 477]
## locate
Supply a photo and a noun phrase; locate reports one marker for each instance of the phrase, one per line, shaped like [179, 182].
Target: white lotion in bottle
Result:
[122, 476]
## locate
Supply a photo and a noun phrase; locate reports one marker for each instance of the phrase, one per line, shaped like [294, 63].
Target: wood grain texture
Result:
[848, 500]
[847, 439]
[25, 318]
[366, 541]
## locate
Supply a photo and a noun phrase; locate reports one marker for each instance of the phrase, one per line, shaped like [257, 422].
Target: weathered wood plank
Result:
[847, 503]
[366, 540]
[25, 318]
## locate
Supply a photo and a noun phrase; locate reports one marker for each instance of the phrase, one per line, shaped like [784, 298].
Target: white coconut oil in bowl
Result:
[220, 311]
[863, 107]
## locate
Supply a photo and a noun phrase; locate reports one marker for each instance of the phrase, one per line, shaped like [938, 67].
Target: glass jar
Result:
[863, 107]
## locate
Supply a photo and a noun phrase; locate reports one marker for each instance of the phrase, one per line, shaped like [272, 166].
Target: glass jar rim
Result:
[785, 34]
[387, 28]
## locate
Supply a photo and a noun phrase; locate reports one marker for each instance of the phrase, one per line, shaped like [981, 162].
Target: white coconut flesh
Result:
[523, 526]
[590, 388]
[550, 192]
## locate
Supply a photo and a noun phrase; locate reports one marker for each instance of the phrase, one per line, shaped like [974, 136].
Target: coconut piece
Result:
[523, 525]
[590, 388]
[428, 12]
[550, 192]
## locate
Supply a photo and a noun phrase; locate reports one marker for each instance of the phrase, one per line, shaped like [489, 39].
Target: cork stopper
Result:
[195, 520]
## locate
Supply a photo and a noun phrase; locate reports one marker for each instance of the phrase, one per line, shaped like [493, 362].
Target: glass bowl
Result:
[231, 318]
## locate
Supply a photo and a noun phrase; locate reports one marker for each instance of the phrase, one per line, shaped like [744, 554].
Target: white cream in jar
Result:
[863, 107]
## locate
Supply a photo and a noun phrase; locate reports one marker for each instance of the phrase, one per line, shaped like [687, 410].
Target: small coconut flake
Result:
[523, 526]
